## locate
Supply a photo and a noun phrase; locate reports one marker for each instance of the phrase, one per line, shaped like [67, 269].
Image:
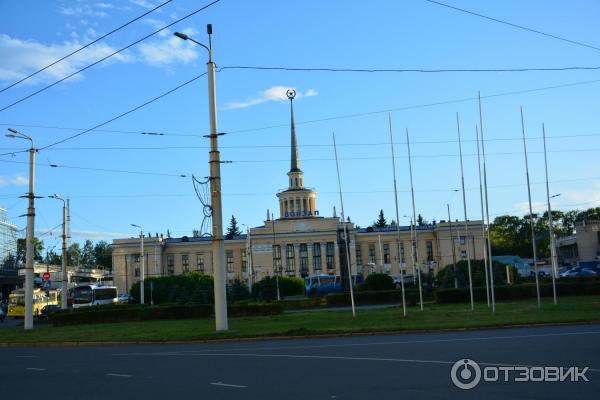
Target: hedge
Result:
[124, 313]
[523, 291]
[373, 297]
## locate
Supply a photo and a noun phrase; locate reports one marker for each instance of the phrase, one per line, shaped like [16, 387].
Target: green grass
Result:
[434, 317]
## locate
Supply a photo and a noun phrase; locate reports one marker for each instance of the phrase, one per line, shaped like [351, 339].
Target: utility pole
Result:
[531, 223]
[65, 278]
[217, 245]
[29, 252]
[414, 221]
[550, 227]
[485, 258]
[453, 249]
[142, 268]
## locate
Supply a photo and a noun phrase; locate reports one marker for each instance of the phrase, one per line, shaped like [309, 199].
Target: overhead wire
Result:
[31, 75]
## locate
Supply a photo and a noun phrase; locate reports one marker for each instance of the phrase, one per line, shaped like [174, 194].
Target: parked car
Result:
[48, 310]
[578, 272]
[124, 298]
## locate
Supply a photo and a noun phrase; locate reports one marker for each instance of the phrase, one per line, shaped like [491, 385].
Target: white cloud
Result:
[15, 180]
[27, 56]
[144, 3]
[82, 10]
[167, 51]
[582, 199]
[104, 5]
[522, 208]
[274, 93]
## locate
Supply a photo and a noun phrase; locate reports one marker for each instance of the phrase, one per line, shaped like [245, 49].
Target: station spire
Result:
[295, 165]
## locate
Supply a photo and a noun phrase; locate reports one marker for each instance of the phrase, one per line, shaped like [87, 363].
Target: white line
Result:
[228, 385]
[35, 369]
[119, 375]
[26, 356]
[366, 344]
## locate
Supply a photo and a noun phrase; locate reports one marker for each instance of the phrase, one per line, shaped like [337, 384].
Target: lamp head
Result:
[13, 130]
[181, 35]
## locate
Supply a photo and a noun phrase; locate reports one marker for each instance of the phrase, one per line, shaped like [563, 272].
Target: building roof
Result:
[374, 229]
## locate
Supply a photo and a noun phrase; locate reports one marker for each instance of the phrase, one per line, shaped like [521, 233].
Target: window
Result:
[386, 253]
[372, 253]
[462, 240]
[229, 262]
[200, 262]
[290, 265]
[329, 249]
[170, 264]
[185, 263]
[136, 262]
[316, 257]
[402, 257]
[244, 261]
[358, 256]
[303, 260]
[429, 250]
[463, 254]
[277, 259]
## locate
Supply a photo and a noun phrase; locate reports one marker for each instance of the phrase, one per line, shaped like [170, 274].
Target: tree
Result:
[38, 247]
[88, 259]
[393, 223]
[52, 258]
[233, 229]
[381, 221]
[421, 221]
[196, 233]
[74, 255]
[103, 254]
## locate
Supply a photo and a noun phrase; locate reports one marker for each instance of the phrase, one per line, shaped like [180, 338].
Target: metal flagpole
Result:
[550, 227]
[487, 208]
[531, 224]
[485, 260]
[345, 227]
[453, 249]
[414, 228]
[462, 177]
[397, 215]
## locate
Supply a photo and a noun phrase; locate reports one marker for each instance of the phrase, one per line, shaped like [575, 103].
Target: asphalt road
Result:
[369, 367]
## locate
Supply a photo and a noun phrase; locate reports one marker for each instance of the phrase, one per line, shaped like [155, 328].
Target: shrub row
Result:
[516, 292]
[373, 297]
[124, 313]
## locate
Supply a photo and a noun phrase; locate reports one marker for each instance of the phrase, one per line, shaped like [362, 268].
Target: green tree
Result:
[379, 282]
[421, 221]
[233, 229]
[196, 233]
[38, 246]
[88, 259]
[381, 221]
[103, 254]
[74, 255]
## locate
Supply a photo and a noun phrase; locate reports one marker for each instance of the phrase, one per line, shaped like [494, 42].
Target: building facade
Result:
[8, 242]
[302, 242]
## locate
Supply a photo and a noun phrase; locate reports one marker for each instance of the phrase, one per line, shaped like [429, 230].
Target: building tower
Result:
[297, 201]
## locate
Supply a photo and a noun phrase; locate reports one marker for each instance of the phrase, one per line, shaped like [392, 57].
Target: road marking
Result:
[363, 344]
[35, 369]
[119, 375]
[26, 356]
[228, 385]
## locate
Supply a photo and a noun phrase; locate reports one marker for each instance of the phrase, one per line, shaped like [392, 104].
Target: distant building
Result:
[8, 242]
[301, 242]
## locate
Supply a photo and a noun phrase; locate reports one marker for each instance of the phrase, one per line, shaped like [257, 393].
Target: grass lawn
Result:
[435, 316]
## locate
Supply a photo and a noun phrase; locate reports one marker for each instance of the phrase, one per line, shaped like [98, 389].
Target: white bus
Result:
[93, 295]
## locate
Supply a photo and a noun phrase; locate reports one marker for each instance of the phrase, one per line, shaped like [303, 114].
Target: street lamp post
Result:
[142, 269]
[250, 265]
[29, 252]
[65, 279]
[218, 247]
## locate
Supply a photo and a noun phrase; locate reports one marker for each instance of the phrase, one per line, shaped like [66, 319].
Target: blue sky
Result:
[349, 34]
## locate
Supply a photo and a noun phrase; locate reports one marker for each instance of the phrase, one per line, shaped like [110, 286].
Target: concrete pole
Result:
[29, 253]
[142, 269]
[485, 258]
[218, 247]
[550, 227]
[65, 278]
[415, 253]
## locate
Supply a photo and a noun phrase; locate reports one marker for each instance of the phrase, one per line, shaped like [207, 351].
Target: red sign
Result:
[46, 276]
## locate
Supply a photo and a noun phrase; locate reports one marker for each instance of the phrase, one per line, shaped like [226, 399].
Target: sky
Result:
[254, 115]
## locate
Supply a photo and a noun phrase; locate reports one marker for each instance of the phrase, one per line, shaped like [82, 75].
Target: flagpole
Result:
[453, 247]
[487, 208]
[345, 228]
[415, 253]
[531, 224]
[485, 261]
[462, 177]
[397, 215]
[550, 227]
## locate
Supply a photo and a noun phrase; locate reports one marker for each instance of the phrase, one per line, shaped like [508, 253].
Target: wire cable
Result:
[85, 46]
[409, 70]
[514, 25]
[108, 56]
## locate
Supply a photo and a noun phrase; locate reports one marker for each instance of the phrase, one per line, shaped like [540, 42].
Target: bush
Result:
[254, 309]
[190, 287]
[300, 304]
[446, 275]
[93, 315]
[373, 297]
[237, 291]
[516, 292]
[379, 282]
[266, 288]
